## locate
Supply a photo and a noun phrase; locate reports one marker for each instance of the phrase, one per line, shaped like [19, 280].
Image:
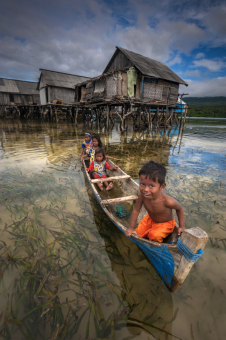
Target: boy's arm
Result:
[180, 215]
[173, 204]
[134, 216]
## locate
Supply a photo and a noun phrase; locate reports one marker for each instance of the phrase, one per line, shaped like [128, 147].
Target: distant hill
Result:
[206, 106]
[205, 101]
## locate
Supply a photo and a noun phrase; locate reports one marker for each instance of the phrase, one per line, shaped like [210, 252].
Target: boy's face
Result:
[87, 138]
[150, 189]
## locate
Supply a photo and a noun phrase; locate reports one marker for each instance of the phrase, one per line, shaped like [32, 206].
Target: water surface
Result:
[68, 273]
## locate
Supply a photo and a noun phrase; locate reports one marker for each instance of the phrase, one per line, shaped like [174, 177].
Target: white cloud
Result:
[160, 42]
[176, 60]
[199, 56]
[192, 73]
[208, 87]
[212, 65]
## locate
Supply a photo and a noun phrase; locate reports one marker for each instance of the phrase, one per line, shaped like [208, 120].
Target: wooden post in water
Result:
[185, 111]
[51, 111]
[194, 239]
[70, 112]
[149, 117]
[157, 116]
[108, 112]
[124, 117]
[55, 110]
[181, 106]
[170, 116]
[83, 116]
[165, 118]
[76, 116]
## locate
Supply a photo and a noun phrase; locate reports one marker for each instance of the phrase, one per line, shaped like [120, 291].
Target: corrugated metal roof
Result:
[27, 87]
[9, 86]
[59, 79]
[18, 86]
[150, 67]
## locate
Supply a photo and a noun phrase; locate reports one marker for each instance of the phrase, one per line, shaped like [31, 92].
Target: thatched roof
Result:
[59, 79]
[18, 86]
[147, 66]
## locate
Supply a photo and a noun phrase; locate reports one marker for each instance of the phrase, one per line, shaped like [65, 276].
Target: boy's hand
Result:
[180, 230]
[115, 167]
[87, 169]
[130, 231]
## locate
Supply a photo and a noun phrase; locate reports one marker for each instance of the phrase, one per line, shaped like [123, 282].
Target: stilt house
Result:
[18, 92]
[131, 77]
[57, 87]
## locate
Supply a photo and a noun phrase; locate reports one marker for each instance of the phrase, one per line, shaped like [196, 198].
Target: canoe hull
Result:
[169, 263]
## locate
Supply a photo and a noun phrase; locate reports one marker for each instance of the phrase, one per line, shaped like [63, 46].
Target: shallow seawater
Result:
[66, 272]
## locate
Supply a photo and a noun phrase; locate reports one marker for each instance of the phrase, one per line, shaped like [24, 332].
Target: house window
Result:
[11, 98]
[151, 80]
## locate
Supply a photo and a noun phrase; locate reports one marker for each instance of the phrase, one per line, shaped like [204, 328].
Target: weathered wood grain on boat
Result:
[120, 199]
[165, 257]
[109, 179]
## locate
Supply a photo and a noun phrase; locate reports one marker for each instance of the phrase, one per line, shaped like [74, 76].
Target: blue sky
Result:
[79, 37]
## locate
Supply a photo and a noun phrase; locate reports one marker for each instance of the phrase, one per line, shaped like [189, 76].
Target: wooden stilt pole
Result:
[157, 116]
[108, 112]
[165, 118]
[83, 116]
[149, 118]
[124, 117]
[51, 111]
[76, 116]
[181, 110]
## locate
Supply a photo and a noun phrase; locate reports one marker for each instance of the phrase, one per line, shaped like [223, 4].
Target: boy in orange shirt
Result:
[159, 222]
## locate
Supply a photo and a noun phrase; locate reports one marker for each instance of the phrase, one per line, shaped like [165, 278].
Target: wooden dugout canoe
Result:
[167, 260]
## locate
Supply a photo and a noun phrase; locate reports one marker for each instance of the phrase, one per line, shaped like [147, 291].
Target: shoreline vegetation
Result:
[206, 107]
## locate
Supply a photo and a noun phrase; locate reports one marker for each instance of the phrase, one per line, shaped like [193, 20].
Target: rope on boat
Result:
[121, 213]
[187, 253]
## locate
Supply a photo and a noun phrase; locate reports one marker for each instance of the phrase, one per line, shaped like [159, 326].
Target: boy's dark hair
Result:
[100, 145]
[100, 150]
[154, 171]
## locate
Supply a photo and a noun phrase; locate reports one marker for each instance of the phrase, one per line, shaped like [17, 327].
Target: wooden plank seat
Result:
[109, 179]
[119, 199]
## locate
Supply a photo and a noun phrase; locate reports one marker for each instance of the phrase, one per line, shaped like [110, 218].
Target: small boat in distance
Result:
[172, 259]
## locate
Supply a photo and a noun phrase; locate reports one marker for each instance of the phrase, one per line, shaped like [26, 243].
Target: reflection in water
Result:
[67, 256]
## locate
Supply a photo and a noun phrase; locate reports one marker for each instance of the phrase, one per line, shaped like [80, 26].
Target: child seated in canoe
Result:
[99, 166]
[87, 144]
[96, 145]
[159, 222]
